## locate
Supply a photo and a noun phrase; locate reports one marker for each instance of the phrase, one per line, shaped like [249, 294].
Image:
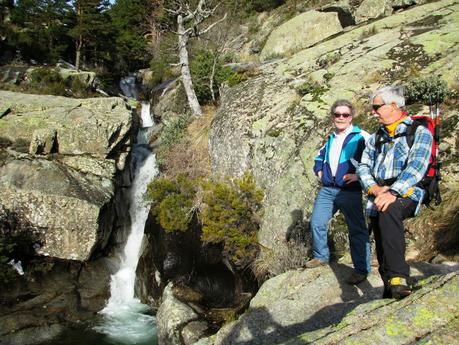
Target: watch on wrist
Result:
[394, 193]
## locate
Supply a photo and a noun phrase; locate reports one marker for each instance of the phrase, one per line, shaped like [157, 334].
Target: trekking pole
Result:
[437, 151]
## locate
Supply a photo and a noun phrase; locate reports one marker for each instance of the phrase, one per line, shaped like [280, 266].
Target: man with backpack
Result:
[336, 166]
[393, 164]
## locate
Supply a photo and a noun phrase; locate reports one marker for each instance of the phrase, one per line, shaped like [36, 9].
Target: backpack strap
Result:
[409, 134]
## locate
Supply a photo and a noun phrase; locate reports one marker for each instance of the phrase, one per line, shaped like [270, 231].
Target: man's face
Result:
[384, 113]
[342, 118]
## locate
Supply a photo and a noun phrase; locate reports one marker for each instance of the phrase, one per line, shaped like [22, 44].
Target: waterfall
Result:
[128, 86]
[145, 115]
[125, 317]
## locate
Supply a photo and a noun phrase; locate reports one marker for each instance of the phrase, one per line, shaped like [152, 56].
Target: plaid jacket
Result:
[397, 160]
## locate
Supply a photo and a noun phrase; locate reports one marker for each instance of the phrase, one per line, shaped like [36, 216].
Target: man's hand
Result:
[348, 178]
[320, 174]
[378, 190]
[383, 200]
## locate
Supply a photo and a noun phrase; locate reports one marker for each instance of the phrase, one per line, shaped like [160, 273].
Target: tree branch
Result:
[202, 32]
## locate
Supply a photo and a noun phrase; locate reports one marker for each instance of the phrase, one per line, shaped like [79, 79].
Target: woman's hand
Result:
[348, 178]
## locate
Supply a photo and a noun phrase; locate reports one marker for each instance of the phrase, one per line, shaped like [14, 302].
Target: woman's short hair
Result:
[342, 102]
[391, 94]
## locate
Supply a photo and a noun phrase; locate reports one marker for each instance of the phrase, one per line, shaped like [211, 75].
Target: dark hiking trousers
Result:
[389, 234]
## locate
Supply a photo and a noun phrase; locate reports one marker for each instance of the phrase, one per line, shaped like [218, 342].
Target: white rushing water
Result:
[145, 115]
[125, 318]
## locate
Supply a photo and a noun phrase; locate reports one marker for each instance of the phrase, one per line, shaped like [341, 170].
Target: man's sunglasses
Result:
[337, 115]
[377, 106]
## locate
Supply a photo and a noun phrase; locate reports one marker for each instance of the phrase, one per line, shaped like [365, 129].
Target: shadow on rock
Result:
[260, 326]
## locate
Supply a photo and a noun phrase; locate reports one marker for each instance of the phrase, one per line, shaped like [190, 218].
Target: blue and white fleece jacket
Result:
[350, 156]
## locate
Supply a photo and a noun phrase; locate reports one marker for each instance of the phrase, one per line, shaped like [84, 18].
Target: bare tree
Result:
[188, 26]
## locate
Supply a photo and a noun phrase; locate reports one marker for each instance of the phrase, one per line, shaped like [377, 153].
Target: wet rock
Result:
[172, 317]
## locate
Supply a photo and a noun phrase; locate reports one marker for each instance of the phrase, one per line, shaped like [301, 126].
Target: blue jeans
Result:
[328, 202]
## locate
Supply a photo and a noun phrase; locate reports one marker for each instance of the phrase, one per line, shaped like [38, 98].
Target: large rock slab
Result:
[370, 9]
[94, 126]
[58, 168]
[34, 311]
[301, 32]
[317, 306]
[66, 206]
[177, 323]
[386, 51]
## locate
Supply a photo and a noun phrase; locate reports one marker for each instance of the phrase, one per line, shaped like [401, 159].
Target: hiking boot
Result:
[399, 288]
[386, 292]
[356, 278]
[315, 263]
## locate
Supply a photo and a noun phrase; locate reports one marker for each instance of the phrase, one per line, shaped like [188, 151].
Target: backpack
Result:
[430, 181]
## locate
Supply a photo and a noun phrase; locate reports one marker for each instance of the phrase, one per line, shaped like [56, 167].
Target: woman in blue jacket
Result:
[336, 166]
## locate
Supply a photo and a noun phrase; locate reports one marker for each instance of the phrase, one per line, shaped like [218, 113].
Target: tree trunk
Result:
[212, 76]
[79, 40]
[78, 53]
[185, 68]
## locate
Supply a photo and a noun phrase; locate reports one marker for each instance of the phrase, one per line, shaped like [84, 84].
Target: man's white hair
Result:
[391, 94]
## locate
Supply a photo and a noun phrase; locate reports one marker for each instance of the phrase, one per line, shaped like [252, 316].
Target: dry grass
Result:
[190, 155]
[290, 255]
[436, 231]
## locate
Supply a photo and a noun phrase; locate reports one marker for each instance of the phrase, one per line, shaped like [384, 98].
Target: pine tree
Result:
[41, 27]
[91, 27]
[128, 18]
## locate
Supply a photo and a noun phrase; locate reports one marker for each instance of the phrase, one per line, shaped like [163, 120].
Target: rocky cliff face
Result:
[61, 185]
[58, 165]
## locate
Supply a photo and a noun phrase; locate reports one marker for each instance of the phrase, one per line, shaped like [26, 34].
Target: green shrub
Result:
[174, 131]
[427, 90]
[201, 71]
[230, 216]
[175, 212]
[229, 212]
[172, 202]
[160, 64]
[236, 78]
[160, 68]
[313, 88]
[78, 88]
[47, 81]
[262, 5]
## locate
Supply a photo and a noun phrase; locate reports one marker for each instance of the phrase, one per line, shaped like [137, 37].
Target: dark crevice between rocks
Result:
[114, 136]
[200, 276]
[4, 112]
[124, 144]
[345, 17]
[55, 145]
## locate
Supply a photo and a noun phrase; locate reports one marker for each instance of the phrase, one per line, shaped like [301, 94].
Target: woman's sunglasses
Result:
[337, 115]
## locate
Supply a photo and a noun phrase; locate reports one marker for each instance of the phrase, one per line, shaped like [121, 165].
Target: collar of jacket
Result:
[355, 129]
[400, 129]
